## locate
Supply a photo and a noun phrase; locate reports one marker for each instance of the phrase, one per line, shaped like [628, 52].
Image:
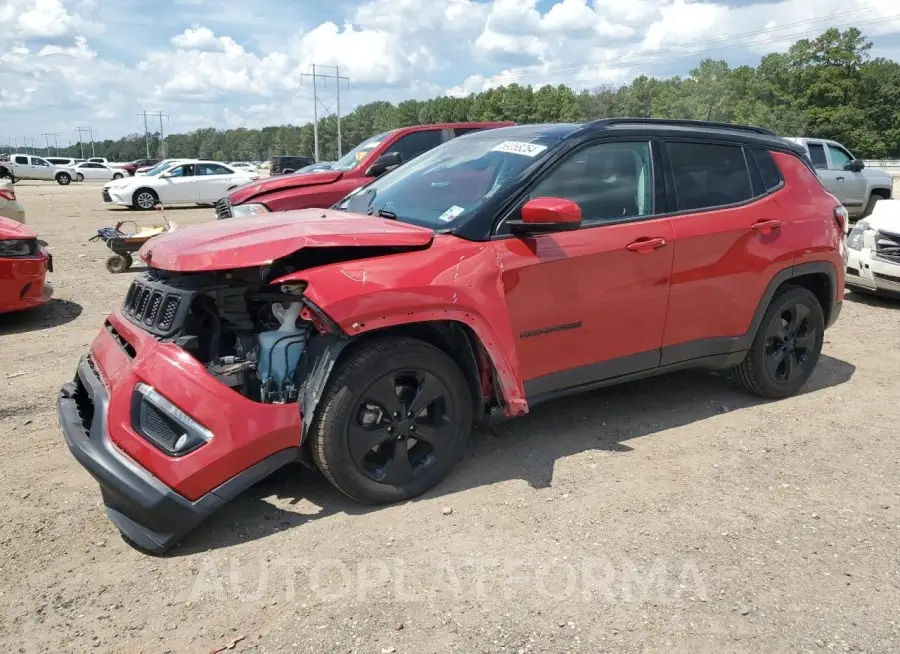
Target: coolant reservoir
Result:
[279, 353]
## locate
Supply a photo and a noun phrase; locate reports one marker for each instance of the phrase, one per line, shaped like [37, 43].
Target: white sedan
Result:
[93, 172]
[185, 182]
[873, 261]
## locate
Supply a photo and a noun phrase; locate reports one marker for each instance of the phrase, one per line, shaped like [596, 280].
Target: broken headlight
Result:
[857, 234]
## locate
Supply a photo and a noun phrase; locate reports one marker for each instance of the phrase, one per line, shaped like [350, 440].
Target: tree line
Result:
[827, 87]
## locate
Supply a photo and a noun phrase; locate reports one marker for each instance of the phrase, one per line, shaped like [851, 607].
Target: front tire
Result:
[79, 177]
[787, 345]
[63, 179]
[144, 199]
[393, 421]
[118, 176]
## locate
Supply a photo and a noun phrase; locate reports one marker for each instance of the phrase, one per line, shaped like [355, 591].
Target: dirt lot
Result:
[672, 514]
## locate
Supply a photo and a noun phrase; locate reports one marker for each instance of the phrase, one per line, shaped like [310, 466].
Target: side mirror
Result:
[384, 163]
[541, 215]
[854, 166]
[166, 174]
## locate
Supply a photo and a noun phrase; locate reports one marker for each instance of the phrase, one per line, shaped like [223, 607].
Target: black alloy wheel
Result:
[393, 422]
[787, 345]
[403, 426]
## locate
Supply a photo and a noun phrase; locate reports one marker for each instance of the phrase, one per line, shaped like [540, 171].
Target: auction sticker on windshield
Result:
[520, 147]
[451, 213]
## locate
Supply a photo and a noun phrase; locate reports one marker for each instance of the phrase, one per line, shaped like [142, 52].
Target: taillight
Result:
[8, 194]
[842, 218]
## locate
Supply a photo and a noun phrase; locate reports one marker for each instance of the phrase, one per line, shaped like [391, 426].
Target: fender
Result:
[453, 280]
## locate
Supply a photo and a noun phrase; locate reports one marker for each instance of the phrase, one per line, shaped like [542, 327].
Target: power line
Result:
[315, 77]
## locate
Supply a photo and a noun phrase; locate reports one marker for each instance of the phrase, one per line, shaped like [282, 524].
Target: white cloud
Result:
[196, 38]
[221, 71]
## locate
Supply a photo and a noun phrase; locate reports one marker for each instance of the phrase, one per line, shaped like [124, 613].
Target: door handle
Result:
[840, 179]
[766, 226]
[646, 245]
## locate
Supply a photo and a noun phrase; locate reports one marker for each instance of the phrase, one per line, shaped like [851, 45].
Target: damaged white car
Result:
[874, 244]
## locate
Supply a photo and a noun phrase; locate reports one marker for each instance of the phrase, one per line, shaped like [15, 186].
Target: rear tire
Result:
[63, 179]
[393, 421]
[144, 199]
[786, 347]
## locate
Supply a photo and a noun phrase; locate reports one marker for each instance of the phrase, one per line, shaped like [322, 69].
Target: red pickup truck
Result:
[361, 165]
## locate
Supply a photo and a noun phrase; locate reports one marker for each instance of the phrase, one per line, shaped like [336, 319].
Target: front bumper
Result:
[113, 196]
[865, 271]
[154, 499]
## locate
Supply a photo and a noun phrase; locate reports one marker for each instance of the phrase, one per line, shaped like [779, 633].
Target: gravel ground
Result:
[671, 514]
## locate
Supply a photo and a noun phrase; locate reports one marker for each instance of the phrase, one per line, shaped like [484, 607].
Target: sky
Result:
[236, 63]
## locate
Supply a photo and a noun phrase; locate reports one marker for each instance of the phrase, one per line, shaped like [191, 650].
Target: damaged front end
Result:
[249, 335]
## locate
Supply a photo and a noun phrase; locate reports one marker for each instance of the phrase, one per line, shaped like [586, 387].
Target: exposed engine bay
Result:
[249, 335]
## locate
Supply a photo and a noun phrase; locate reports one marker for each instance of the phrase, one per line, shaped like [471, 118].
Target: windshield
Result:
[351, 160]
[160, 167]
[446, 184]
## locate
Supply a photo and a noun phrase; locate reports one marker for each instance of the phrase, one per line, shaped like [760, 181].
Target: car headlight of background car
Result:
[18, 248]
[857, 234]
[242, 210]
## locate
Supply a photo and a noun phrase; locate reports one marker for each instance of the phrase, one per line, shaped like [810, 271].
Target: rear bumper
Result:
[143, 508]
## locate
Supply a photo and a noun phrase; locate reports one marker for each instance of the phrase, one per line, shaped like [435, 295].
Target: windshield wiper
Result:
[383, 213]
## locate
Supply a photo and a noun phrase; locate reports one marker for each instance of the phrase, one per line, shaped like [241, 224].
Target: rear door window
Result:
[708, 175]
[817, 155]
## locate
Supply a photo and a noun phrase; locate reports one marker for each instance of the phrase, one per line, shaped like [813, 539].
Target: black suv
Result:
[285, 165]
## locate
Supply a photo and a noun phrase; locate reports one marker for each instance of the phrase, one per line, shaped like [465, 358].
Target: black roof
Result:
[658, 126]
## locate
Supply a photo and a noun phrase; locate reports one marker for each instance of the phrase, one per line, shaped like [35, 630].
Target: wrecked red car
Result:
[24, 264]
[367, 161]
[497, 271]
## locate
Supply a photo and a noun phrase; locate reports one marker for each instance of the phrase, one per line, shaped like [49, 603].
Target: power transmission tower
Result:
[47, 136]
[338, 78]
[146, 132]
[81, 140]
[162, 136]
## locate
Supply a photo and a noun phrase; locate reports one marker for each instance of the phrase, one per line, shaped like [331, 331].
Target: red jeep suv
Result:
[494, 272]
[368, 160]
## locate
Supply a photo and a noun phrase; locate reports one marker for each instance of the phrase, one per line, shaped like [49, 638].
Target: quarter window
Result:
[771, 177]
[609, 181]
[817, 156]
[21, 160]
[708, 175]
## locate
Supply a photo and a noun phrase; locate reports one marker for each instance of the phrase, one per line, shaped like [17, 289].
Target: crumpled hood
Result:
[260, 240]
[249, 191]
[12, 229]
[886, 217]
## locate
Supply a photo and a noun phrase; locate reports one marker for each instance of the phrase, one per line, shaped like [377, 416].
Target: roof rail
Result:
[680, 122]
